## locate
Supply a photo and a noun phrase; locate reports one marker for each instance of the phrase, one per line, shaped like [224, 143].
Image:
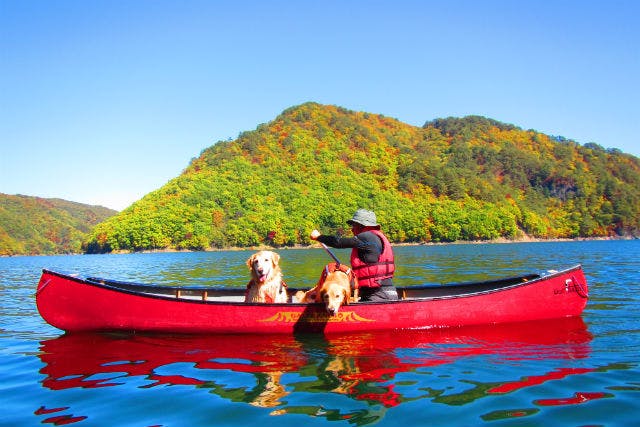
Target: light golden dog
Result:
[333, 289]
[266, 284]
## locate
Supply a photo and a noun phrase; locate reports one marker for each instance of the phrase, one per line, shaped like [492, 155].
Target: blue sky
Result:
[102, 102]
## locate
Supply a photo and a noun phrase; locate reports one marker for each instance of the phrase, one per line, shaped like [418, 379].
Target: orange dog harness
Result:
[333, 267]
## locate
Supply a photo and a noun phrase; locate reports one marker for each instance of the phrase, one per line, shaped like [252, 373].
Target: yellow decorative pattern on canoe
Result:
[293, 317]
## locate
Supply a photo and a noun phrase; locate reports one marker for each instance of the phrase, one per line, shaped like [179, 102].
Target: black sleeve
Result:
[368, 244]
[340, 242]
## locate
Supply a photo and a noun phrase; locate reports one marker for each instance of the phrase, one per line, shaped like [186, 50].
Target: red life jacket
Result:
[369, 274]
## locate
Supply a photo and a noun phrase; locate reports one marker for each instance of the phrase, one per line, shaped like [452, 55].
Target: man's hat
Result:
[365, 218]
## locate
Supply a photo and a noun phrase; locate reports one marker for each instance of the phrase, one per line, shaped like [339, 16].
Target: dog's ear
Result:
[250, 261]
[275, 259]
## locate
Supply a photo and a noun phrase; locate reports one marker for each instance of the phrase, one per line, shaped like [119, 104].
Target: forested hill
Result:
[453, 179]
[32, 225]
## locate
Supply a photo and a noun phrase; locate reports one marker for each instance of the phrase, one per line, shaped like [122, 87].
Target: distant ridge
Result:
[469, 178]
[33, 225]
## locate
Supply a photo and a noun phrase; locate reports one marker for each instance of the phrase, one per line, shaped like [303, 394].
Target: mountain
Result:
[470, 178]
[32, 225]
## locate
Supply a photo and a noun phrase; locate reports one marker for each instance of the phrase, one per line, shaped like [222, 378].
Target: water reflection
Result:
[283, 373]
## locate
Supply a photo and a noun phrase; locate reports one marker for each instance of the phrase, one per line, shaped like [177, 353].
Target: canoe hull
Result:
[76, 304]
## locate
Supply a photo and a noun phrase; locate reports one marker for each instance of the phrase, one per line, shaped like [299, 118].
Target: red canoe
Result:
[73, 303]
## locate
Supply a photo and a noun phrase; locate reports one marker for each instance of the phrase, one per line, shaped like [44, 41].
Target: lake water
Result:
[575, 372]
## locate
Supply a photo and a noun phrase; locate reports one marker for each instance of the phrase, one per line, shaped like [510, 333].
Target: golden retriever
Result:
[266, 284]
[333, 289]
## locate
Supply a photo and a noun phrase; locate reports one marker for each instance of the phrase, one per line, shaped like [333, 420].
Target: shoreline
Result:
[497, 241]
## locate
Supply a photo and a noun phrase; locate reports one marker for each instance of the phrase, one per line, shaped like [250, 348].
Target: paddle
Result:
[326, 248]
[335, 258]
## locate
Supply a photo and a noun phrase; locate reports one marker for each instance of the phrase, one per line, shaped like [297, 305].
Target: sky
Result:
[102, 102]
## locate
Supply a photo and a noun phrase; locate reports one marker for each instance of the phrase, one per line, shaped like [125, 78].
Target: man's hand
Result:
[314, 235]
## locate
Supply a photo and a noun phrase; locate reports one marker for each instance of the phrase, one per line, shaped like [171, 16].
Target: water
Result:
[576, 372]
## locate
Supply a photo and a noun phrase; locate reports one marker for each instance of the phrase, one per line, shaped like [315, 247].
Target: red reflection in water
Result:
[539, 379]
[58, 420]
[63, 420]
[42, 410]
[360, 366]
[576, 399]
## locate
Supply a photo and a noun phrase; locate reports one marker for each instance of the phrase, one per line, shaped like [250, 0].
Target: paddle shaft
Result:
[326, 248]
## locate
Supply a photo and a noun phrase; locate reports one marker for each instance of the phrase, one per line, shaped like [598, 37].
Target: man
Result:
[371, 256]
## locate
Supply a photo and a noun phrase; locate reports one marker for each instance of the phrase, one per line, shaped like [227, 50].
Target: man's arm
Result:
[340, 242]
